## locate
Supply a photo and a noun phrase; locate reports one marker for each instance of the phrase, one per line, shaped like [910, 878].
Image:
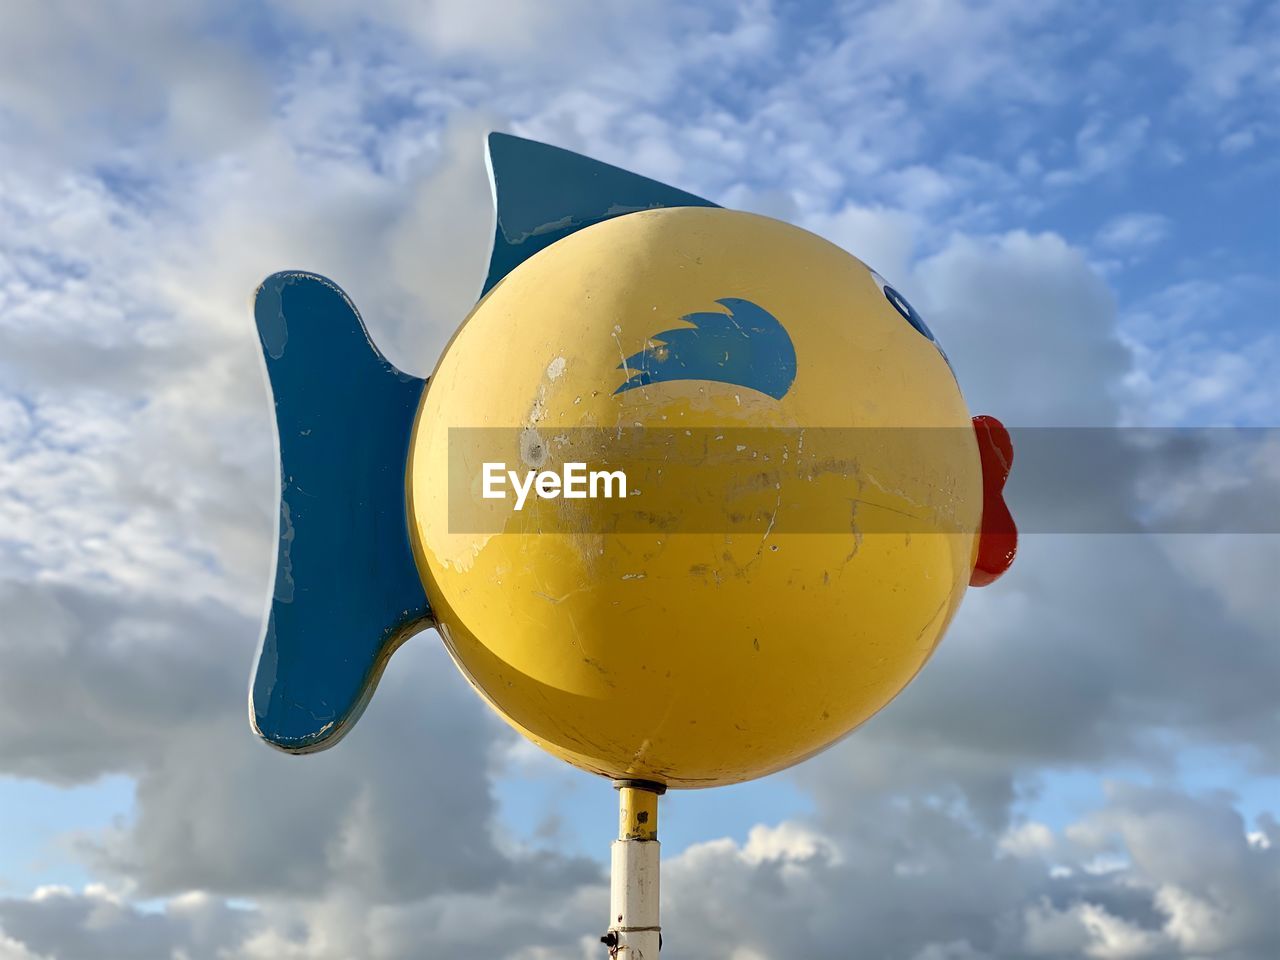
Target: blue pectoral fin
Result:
[347, 591]
[543, 193]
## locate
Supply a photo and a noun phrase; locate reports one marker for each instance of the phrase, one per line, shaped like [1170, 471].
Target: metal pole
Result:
[634, 933]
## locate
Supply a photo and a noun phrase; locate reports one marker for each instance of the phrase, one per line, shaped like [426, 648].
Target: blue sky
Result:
[1081, 198]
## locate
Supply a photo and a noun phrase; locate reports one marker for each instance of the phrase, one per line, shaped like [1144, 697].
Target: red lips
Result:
[997, 537]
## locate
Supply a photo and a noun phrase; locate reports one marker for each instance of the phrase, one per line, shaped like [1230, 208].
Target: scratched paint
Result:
[606, 648]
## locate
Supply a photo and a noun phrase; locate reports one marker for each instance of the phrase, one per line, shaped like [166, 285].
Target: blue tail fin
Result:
[347, 591]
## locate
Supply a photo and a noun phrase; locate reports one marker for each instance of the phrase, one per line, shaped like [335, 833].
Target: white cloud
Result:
[1225, 50]
[1237, 141]
[787, 842]
[1200, 357]
[1086, 929]
[1029, 328]
[1102, 147]
[885, 239]
[12, 950]
[1027, 840]
[183, 66]
[1133, 232]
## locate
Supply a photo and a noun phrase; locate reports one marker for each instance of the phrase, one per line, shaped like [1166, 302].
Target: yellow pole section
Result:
[637, 813]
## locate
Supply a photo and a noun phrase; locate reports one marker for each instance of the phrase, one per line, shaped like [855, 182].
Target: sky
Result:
[1079, 196]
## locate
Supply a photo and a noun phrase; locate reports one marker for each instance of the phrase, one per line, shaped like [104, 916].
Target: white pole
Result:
[634, 932]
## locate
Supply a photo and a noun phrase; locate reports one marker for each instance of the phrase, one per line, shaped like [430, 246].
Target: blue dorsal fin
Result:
[542, 194]
[347, 590]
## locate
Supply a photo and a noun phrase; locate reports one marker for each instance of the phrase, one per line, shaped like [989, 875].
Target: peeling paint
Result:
[533, 451]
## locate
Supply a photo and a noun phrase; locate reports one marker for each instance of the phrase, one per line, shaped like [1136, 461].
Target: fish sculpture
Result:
[803, 495]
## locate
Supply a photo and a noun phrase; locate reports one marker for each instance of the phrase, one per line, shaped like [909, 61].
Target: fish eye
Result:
[900, 303]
